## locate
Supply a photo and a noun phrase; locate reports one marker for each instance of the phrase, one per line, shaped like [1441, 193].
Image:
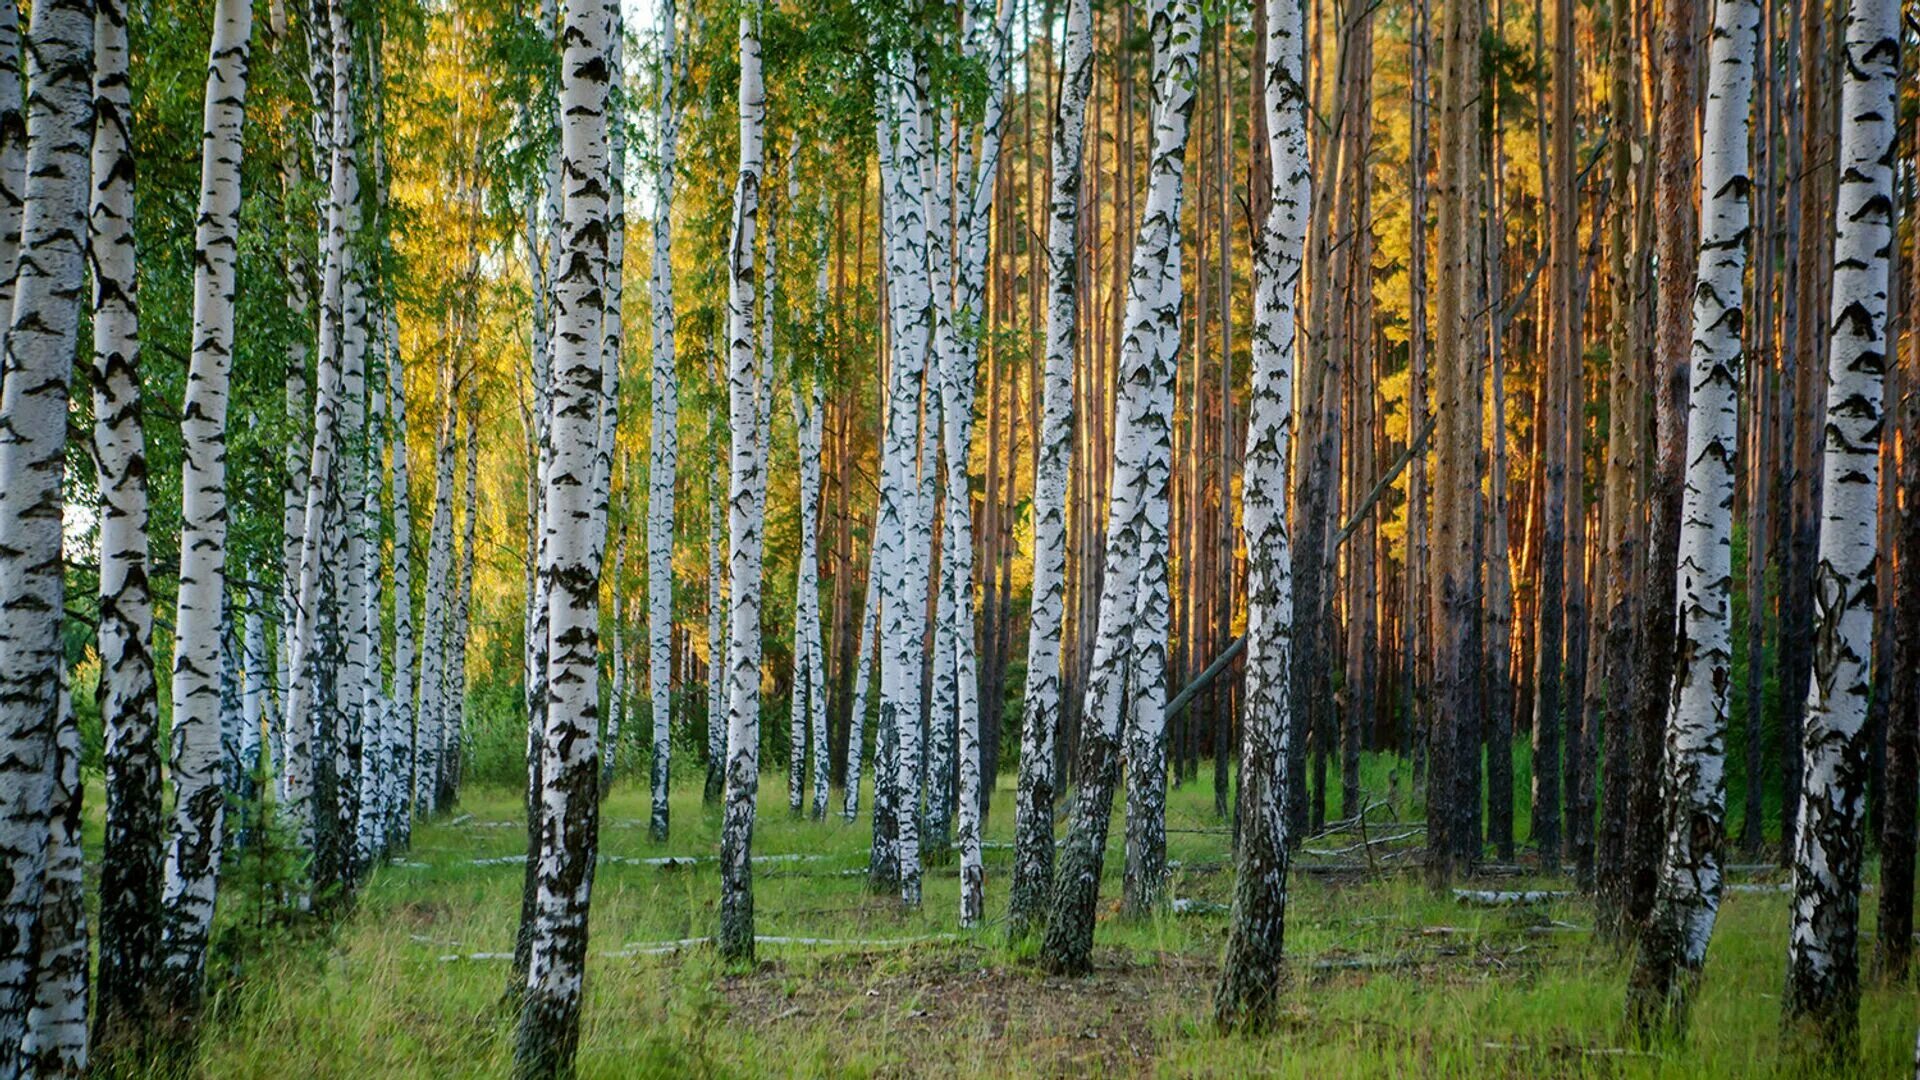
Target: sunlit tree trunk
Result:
[1674, 946]
[664, 451]
[430, 740]
[1251, 975]
[745, 530]
[193, 845]
[1053, 459]
[1823, 982]
[809, 681]
[1130, 649]
[549, 1028]
[130, 875]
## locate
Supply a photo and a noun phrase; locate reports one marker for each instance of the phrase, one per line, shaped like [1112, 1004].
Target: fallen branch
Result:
[1487, 898]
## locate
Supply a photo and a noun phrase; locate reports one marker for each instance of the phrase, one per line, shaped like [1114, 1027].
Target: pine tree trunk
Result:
[130, 870]
[1895, 932]
[193, 845]
[664, 450]
[1823, 955]
[1053, 462]
[1129, 667]
[1251, 975]
[1674, 947]
[549, 1028]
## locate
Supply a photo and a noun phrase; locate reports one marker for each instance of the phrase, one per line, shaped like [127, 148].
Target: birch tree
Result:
[130, 875]
[1251, 975]
[56, 1042]
[809, 679]
[862, 686]
[1053, 460]
[549, 1027]
[430, 741]
[1129, 650]
[1674, 946]
[745, 531]
[664, 449]
[33, 411]
[1823, 981]
[406, 672]
[193, 845]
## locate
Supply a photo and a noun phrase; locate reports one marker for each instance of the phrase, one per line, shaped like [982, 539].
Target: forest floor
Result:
[1387, 978]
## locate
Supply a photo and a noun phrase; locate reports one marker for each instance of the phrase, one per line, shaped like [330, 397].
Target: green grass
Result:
[1387, 980]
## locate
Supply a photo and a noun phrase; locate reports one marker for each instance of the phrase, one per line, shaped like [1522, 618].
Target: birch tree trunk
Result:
[1823, 981]
[431, 727]
[455, 705]
[1674, 946]
[862, 686]
[716, 618]
[1053, 462]
[130, 874]
[809, 681]
[616, 663]
[549, 1029]
[900, 548]
[310, 725]
[193, 845]
[745, 531]
[1251, 976]
[33, 409]
[1129, 659]
[664, 451]
[406, 671]
[56, 1042]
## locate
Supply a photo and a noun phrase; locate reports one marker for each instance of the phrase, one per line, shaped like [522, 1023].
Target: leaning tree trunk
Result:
[1823, 981]
[664, 451]
[745, 531]
[193, 847]
[130, 876]
[1130, 644]
[1674, 946]
[1251, 975]
[549, 1029]
[1053, 460]
[39, 358]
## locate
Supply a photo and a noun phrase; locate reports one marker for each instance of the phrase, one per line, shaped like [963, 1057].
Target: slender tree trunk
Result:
[1129, 667]
[663, 462]
[406, 671]
[1251, 975]
[130, 869]
[1903, 712]
[1053, 460]
[549, 1027]
[1823, 955]
[193, 845]
[56, 1043]
[746, 531]
[863, 661]
[1674, 947]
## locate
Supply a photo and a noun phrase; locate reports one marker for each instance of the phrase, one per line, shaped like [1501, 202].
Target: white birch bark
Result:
[716, 617]
[900, 529]
[33, 413]
[429, 743]
[548, 1033]
[1053, 459]
[746, 529]
[616, 661]
[370, 812]
[862, 685]
[1687, 899]
[1251, 974]
[193, 845]
[406, 672]
[56, 1042]
[130, 874]
[664, 448]
[1823, 980]
[253, 687]
[454, 706]
[1129, 660]
[13, 162]
[310, 727]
